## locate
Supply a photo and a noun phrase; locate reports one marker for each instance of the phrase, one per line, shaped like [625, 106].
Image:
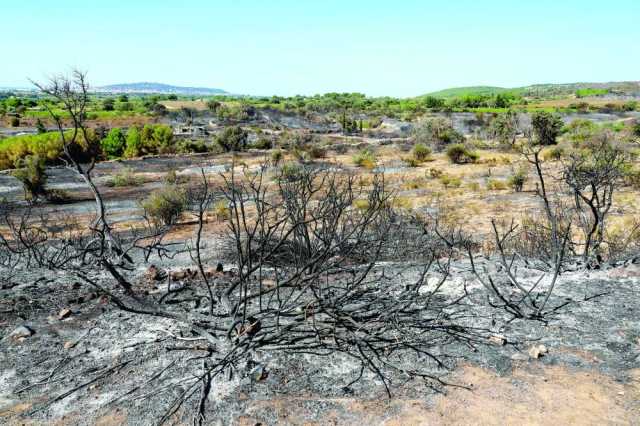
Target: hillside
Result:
[145, 87]
[631, 88]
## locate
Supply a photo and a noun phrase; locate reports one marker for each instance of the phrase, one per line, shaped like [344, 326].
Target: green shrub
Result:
[518, 179]
[232, 138]
[31, 174]
[221, 210]
[450, 181]
[263, 143]
[412, 162]
[189, 146]
[163, 137]
[134, 146]
[114, 144]
[459, 154]
[554, 153]
[125, 177]
[421, 152]
[437, 132]
[276, 156]
[47, 145]
[365, 158]
[546, 127]
[315, 152]
[164, 206]
[632, 178]
[291, 171]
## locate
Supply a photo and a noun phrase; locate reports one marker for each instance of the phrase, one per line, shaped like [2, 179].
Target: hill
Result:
[145, 87]
[629, 88]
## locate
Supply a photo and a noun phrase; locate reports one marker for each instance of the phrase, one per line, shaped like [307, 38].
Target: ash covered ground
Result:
[69, 356]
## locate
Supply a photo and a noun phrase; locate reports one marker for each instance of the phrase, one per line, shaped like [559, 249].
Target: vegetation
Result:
[164, 206]
[518, 179]
[437, 132]
[232, 138]
[546, 127]
[31, 173]
[114, 144]
[365, 158]
[125, 177]
[460, 154]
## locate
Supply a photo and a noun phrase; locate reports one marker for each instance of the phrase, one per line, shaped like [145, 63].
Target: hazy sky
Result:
[286, 47]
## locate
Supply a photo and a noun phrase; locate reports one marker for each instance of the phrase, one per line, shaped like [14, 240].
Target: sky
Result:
[287, 47]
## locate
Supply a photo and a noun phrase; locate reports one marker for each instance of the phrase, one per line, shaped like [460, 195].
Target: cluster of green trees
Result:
[150, 139]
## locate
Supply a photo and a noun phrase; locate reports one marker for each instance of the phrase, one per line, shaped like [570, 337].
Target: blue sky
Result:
[287, 47]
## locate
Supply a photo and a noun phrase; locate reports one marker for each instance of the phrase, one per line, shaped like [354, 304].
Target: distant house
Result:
[190, 131]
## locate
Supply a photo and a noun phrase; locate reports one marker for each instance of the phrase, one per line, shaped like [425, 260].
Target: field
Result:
[268, 261]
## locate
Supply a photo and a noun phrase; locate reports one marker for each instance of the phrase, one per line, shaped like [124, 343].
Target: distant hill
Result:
[629, 88]
[456, 92]
[159, 88]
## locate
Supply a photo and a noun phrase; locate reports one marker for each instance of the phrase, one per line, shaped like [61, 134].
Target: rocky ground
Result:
[68, 356]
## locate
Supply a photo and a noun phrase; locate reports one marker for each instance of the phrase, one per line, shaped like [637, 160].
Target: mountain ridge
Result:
[161, 88]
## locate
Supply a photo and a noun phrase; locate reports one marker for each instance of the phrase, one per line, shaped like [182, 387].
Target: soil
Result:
[590, 375]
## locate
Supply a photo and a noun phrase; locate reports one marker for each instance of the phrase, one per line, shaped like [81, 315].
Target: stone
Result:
[498, 340]
[537, 351]
[69, 344]
[259, 373]
[519, 356]
[154, 273]
[21, 332]
[65, 313]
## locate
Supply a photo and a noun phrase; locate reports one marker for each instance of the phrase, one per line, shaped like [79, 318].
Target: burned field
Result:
[375, 280]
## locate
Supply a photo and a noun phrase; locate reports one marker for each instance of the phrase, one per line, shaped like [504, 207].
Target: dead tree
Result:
[72, 94]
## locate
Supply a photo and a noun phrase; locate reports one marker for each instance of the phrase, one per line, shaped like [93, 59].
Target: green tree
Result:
[108, 104]
[113, 145]
[504, 128]
[546, 127]
[163, 136]
[232, 138]
[40, 127]
[134, 145]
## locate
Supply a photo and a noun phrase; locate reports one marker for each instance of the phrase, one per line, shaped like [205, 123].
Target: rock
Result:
[498, 339]
[65, 313]
[21, 332]
[175, 286]
[183, 274]
[70, 345]
[537, 351]
[259, 373]
[153, 273]
[519, 356]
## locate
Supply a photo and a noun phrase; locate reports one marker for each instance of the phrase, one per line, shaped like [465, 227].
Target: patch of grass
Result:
[450, 181]
[496, 185]
[365, 159]
[126, 177]
[221, 210]
[361, 204]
